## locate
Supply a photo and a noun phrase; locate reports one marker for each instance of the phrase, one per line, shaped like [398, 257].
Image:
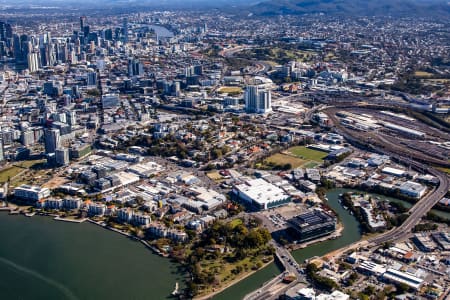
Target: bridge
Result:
[275, 287]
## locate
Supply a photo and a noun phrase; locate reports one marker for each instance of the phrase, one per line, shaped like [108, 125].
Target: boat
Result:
[175, 291]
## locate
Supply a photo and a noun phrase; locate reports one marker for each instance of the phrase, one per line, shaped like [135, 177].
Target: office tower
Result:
[257, 100]
[86, 31]
[6, 31]
[2, 154]
[27, 138]
[62, 52]
[50, 55]
[73, 57]
[43, 56]
[33, 62]
[52, 139]
[135, 67]
[17, 48]
[92, 79]
[82, 23]
[108, 34]
[125, 30]
[3, 49]
[177, 88]
[71, 117]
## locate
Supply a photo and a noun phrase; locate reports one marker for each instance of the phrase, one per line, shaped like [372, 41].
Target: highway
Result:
[423, 205]
[420, 208]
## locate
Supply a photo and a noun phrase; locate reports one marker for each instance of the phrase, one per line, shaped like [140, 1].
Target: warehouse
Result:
[402, 277]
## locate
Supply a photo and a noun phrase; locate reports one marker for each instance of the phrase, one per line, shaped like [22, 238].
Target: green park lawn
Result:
[308, 154]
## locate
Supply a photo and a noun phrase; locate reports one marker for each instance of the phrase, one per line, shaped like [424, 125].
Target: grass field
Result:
[308, 154]
[9, 172]
[311, 165]
[282, 159]
[230, 90]
[29, 163]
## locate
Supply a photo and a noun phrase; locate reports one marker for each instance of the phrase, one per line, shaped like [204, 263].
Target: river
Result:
[45, 259]
[350, 234]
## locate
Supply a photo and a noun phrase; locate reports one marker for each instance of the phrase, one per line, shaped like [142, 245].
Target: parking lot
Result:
[275, 219]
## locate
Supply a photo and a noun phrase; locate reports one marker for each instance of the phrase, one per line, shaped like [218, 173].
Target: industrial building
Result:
[410, 280]
[413, 189]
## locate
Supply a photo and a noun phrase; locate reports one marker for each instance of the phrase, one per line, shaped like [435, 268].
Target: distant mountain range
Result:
[354, 7]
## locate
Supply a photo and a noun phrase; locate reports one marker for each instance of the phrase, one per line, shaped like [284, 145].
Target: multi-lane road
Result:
[423, 205]
[272, 289]
[420, 208]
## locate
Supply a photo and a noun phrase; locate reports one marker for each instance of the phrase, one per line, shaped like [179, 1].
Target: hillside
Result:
[354, 7]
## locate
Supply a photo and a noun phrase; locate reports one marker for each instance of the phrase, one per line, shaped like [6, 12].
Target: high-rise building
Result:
[6, 31]
[33, 62]
[71, 117]
[27, 138]
[125, 30]
[52, 139]
[62, 156]
[2, 155]
[82, 23]
[135, 67]
[92, 79]
[257, 100]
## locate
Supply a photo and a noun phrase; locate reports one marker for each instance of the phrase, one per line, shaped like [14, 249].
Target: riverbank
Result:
[21, 210]
[145, 243]
[232, 283]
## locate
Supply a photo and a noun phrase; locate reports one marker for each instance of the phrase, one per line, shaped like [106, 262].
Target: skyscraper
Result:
[91, 79]
[5, 31]
[82, 23]
[33, 61]
[257, 100]
[135, 67]
[52, 139]
[2, 155]
[125, 30]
